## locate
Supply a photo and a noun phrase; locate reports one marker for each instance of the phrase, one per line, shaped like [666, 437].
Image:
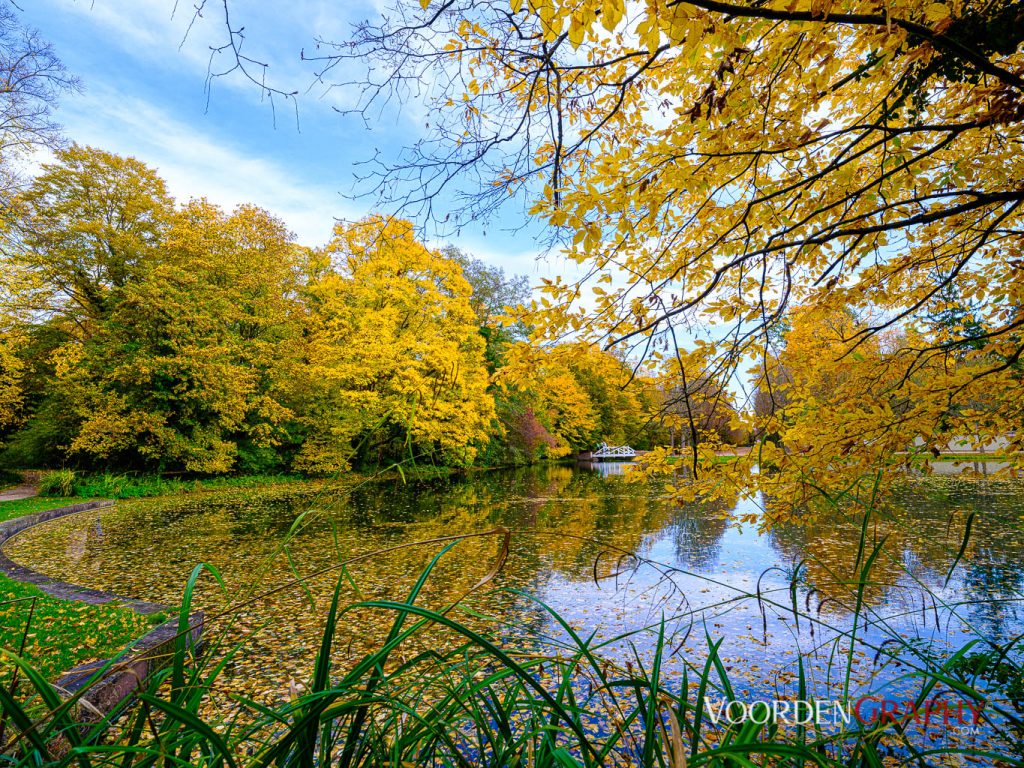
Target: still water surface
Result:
[691, 567]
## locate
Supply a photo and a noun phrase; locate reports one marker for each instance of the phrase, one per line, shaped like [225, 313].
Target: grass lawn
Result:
[67, 484]
[62, 633]
[12, 509]
[973, 457]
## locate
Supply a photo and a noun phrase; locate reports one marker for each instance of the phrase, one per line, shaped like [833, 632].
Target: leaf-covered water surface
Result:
[607, 555]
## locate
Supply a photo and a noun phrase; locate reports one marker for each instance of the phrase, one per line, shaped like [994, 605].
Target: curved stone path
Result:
[54, 587]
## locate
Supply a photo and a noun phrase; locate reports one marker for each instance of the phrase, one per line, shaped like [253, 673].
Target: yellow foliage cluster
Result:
[184, 360]
[11, 368]
[190, 338]
[393, 348]
[578, 394]
[838, 411]
[759, 170]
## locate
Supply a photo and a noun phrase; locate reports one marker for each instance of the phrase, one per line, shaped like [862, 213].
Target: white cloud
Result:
[145, 28]
[169, 33]
[196, 164]
[235, 165]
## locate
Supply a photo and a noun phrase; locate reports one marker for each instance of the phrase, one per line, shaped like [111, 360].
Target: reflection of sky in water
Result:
[708, 569]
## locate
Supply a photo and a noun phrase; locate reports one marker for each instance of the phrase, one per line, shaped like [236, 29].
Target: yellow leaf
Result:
[937, 12]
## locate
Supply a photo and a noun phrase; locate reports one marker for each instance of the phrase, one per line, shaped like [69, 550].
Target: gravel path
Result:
[16, 494]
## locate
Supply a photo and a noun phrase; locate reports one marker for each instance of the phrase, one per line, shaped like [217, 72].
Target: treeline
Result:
[137, 333]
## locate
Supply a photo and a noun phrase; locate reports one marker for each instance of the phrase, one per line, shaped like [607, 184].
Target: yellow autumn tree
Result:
[573, 396]
[395, 364]
[17, 291]
[11, 371]
[185, 372]
[613, 389]
[86, 226]
[161, 335]
[837, 411]
[711, 165]
[77, 236]
[835, 416]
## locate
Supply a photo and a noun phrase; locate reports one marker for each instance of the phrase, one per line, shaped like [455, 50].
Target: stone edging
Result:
[138, 661]
[107, 691]
[62, 589]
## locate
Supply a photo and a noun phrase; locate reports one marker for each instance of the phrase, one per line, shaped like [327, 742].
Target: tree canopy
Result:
[144, 333]
[717, 167]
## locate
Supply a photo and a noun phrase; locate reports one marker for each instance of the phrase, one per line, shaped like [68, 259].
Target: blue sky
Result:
[144, 95]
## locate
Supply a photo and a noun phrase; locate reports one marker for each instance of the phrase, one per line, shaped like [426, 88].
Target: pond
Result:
[773, 598]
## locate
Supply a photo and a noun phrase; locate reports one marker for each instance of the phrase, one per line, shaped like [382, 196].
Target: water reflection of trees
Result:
[990, 577]
[921, 532]
[697, 532]
[563, 521]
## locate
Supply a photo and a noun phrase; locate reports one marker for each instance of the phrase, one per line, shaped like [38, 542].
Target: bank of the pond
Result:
[64, 483]
[52, 633]
[68, 483]
[57, 634]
